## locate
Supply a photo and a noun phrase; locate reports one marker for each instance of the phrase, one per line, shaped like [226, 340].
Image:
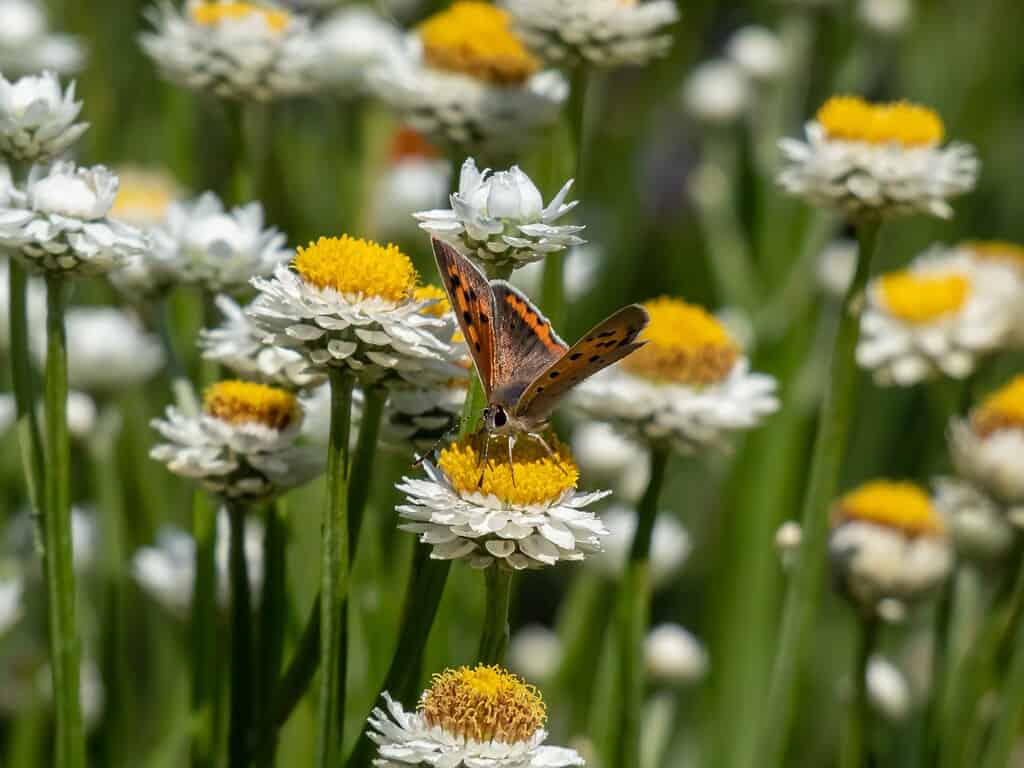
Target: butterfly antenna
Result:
[551, 454]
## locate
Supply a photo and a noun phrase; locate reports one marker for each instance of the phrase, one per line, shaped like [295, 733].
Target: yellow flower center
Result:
[142, 196]
[1003, 409]
[212, 14]
[852, 119]
[1010, 254]
[357, 267]
[539, 478]
[433, 293]
[685, 345]
[897, 505]
[920, 298]
[476, 39]
[483, 704]
[244, 402]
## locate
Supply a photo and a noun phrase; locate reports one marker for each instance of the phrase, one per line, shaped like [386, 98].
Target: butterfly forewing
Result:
[473, 304]
[606, 343]
[525, 342]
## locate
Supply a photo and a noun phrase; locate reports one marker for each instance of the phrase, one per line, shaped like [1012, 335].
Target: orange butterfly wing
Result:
[525, 342]
[473, 303]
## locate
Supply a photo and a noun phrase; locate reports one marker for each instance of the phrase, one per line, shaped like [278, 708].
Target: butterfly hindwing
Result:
[473, 304]
[606, 343]
[525, 342]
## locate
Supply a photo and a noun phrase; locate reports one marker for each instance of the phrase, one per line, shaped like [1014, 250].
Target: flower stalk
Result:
[272, 623]
[495, 635]
[241, 640]
[858, 716]
[204, 632]
[800, 608]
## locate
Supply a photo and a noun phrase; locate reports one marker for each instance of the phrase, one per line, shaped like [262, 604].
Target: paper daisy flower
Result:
[203, 243]
[690, 384]
[350, 42]
[674, 656]
[352, 303]
[37, 118]
[465, 81]
[242, 445]
[599, 33]
[27, 46]
[466, 508]
[988, 447]
[982, 527]
[877, 160]
[234, 50]
[500, 219]
[936, 317]
[484, 717]
[888, 543]
[61, 224]
[416, 179]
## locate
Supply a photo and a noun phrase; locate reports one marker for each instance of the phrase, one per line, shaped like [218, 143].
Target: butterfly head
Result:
[496, 419]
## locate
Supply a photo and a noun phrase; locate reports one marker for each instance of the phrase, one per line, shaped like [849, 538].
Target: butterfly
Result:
[524, 367]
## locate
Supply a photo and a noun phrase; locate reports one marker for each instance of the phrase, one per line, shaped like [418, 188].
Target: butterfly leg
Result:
[540, 439]
[483, 462]
[511, 464]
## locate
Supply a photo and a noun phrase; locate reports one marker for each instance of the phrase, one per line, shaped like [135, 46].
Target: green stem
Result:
[60, 575]
[495, 635]
[800, 609]
[362, 463]
[633, 609]
[25, 389]
[241, 641]
[204, 631]
[1006, 730]
[334, 574]
[858, 716]
[272, 621]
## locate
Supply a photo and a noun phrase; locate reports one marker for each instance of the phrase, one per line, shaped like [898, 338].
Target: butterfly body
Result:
[524, 367]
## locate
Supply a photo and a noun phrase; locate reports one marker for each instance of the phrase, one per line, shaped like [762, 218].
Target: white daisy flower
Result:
[350, 42]
[988, 447]
[27, 46]
[166, 570]
[499, 219]
[243, 443]
[37, 119]
[888, 544]
[108, 350]
[60, 222]
[466, 82]
[690, 384]
[600, 33]
[877, 160]
[12, 590]
[535, 652]
[670, 545]
[526, 514]
[234, 50]
[1006, 259]
[482, 717]
[238, 345]
[982, 528]
[674, 656]
[351, 303]
[758, 52]
[717, 92]
[416, 179]
[888, 689]
[202, 242]
[936, 317]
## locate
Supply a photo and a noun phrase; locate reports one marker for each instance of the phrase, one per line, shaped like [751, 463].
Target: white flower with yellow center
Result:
[982, 527]
[938, 316]
[690, 384]
[465, 81]
[352, 303]
[988, 447]
[480, 717]
[27, 46]
[234, 50]
[242, 445]
[61, 223]
[523, 514]
[201, 242]
[352, 41]
[500, 219]
[888, 544]
[37, 118]
[1007, 259]
[877, 160]
[599, 33]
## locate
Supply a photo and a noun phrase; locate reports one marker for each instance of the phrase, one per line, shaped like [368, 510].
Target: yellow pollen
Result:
[483, 704]
[357, 267]
[476, 39]
[539, 479]
[211, 14]
[685, 345]
[851, 118]
[1003, 409]
[433, 293]
[919, 298]
[897, 505]
[244, 402]
[1009, 254]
